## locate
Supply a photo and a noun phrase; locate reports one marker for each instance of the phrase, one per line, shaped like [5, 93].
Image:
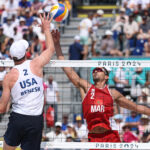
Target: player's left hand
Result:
[56, 36]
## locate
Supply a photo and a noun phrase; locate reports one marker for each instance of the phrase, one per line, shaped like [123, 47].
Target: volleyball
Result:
[59, 12]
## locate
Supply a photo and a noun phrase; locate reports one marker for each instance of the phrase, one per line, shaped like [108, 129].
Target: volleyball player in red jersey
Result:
[98, 101]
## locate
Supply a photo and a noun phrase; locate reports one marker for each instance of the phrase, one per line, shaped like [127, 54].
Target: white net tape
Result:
[92, 145]
[88, 63]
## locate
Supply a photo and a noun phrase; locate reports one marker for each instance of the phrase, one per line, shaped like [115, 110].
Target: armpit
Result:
[115, 94]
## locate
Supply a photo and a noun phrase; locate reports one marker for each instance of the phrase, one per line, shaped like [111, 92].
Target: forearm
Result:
[2, 108]
[143, 110]
[137, 108]
[58, 50]
[68, 70]
[132, 124]
[49, 41]
[48, 53]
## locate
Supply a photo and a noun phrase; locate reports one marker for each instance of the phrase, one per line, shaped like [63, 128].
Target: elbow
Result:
[2, 111]
[76, 84]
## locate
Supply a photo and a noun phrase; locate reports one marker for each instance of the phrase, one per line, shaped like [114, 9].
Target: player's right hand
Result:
[46, 20]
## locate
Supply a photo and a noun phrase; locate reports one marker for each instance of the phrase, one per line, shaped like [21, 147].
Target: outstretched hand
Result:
[56, 36]
[46, 20]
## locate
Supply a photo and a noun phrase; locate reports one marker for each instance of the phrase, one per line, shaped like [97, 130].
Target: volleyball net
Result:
[65, 109]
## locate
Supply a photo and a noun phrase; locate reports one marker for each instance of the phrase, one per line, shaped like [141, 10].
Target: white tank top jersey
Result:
[27, 92]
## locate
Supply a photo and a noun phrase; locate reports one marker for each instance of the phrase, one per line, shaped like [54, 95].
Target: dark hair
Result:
[123, 18]
[144, 17]
[104, 37]
[25, 29]
[17, 60]
[25, 37]
[36, 37]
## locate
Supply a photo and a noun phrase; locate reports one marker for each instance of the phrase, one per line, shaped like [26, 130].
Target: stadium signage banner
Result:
[95, 145]
[88, 63]
[92, 145]
[99, 63]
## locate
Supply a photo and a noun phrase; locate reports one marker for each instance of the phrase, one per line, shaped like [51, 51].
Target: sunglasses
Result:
[100, 70]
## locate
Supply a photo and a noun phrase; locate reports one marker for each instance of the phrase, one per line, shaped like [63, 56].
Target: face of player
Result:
[99, 75]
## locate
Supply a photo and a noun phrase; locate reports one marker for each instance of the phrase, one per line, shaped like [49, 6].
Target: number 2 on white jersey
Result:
[25, 72]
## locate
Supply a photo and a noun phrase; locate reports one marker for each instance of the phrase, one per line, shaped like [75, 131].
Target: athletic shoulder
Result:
[35, 67]
[35, 63]
[12, 76]
[13, 72]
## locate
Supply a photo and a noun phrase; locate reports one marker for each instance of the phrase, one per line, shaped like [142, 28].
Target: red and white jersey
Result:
[98, 108]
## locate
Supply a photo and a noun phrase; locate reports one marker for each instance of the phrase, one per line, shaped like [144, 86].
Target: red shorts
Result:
[111, 136]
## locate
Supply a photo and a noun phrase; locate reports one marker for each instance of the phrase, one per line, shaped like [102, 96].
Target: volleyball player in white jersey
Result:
[24, 84]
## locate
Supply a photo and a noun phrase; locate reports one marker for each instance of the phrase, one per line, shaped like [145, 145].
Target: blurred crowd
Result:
[19, 19]
[135, 79]
[128, 35]
[65, 131]
[132, 127]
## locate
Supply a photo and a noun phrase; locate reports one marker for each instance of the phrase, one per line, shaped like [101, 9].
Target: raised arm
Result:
[82, 93]
[125, 103]
[5, 95]
[46, 55]
[72, 75]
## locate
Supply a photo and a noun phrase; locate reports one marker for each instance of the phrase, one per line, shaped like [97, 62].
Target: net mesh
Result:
[63, 104]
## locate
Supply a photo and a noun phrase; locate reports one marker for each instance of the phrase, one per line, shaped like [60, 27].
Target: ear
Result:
[106, 77]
